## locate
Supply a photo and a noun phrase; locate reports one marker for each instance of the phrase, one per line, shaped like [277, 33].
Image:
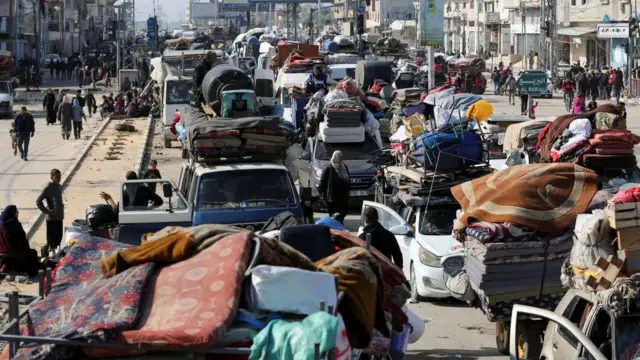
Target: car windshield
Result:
[356, 151]
[264, 88]
[177, 92]
[245, 189]
[5, 87]
[438, 220]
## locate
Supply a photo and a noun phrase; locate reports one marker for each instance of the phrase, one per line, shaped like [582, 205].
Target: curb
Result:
[145, 142]
[36, 220]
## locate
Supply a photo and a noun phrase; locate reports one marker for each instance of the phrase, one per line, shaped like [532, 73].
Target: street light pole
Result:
[478, 26]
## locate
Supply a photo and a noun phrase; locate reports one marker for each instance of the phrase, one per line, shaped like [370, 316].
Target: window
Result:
[140, 195]
[464, 5]
[5, 86]
[387, 219]
[245, 189]
[285, 99]
[471, 4]
[576, 312]
[355, 151]
[177, 92]
[438, 220]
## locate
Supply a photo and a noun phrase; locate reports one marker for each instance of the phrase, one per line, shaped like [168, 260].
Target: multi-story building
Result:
[12, 28]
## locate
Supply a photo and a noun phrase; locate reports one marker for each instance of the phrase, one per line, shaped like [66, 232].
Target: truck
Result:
[234, 170]
[6, 85]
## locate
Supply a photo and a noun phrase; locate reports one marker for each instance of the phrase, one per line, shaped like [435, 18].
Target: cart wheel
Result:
[502, 337]
[529, 339]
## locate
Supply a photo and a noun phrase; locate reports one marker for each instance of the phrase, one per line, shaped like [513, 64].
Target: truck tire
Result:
[502, 337]
[529, 342]
[368, 71]
[167, 143]
[220, 78]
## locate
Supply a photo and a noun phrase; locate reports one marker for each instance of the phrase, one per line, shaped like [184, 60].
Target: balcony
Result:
[492, 18]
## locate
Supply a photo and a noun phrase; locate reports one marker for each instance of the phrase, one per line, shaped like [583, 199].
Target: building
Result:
[382, 13]
[12, 28]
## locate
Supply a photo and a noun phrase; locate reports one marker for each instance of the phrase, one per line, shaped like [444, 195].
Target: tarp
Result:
[197, 123]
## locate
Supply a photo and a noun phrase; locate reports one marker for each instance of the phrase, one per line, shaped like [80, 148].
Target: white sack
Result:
[591, 239]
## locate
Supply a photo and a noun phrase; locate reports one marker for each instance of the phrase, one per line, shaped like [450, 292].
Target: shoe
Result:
[25, 159]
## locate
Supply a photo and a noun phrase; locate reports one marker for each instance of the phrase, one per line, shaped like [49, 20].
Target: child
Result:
[14, 138]
[592, 105]
[578, 105]
[511, 88]
[152, 173]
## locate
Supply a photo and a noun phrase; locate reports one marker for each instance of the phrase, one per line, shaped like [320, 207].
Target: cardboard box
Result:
[629, 238]
[631, 258]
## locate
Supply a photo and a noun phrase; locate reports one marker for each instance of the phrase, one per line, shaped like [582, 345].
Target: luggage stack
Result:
[243, 142]
[342, 123]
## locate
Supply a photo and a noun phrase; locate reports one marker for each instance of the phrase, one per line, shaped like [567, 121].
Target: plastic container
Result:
[330, 46]
[399, 342]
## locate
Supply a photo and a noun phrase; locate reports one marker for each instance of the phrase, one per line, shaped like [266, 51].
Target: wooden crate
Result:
[622, 216]
[629, 238]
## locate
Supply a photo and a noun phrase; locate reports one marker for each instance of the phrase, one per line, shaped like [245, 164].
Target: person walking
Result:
[77, 114]
[618, 85]
[49, 105]
[511, 88]
[92, 106]
[65, 116]
[25, 129]
[594, 84]
[54, 209]
[382, 239]
[334, 186]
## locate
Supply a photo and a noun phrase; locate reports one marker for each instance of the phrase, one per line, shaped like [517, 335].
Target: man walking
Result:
[54, 209]
[25, 129]
[381, 239]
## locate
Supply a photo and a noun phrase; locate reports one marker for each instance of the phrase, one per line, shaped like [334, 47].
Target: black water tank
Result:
[222, 78]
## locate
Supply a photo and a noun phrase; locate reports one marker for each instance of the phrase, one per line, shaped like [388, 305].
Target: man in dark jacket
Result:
[381, 239]
[199, 73]
[25, 129]
[594, 84]
[49, 105]
[54, 209]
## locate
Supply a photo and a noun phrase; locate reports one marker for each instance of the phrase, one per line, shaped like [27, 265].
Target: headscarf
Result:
[76, 102]
[8, 214]
[338, 165]
[66, 99]
[60, 92]
[132, 189]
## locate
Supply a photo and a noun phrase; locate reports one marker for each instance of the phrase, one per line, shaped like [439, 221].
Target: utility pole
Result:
[36, 36]
[478, 26]
[63, 26]
[318, 16]
[16, 19]
[632, 51]
[523, 18]
[543, 39]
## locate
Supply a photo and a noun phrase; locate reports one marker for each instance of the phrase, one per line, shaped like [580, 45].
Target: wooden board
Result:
[629, 238]
[416, 175]
[624, 218]
[307, 49]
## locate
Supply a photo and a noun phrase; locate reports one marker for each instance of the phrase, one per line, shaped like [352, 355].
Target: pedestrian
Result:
[65, 116]
[334, 186]
[49, 105]
[524, 99]
[15, 252]
[79, 79]
[77, 116]
[618, 85]
[54, 209]
[578, 106]
[25, 128]
[594, 84]
[35, 79]
[90, 101]
[604, 81]
[152, 173]
[511, 88]
[80, 98]
[14, 138]
[382, 239]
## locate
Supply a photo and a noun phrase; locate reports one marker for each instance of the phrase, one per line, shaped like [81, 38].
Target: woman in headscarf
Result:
[77, 116]
[15, 252]
[49, 104]
[65, 116]
[334, 186]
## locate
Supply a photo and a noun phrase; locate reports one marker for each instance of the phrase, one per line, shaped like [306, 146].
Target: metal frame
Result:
[126, 26]
[11, 332]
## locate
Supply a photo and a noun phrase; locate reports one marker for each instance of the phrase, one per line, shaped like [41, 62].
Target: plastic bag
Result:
[445, 117]
[591, 240]
[291, 290]
[480, 111]
[336, 95]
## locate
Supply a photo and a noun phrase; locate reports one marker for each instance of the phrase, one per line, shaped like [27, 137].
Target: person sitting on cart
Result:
[316, 81]
[15, 253]
[381, 239]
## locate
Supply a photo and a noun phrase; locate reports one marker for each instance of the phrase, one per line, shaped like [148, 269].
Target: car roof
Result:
[204, 168]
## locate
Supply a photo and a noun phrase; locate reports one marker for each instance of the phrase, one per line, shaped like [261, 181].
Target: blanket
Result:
[560, 124]
[542, 197]
[83, 304]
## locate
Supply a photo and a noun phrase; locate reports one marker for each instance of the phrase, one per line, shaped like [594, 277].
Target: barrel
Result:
[330, 46]
[253, 40]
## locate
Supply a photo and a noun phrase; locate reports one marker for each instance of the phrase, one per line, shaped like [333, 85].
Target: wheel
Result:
[415, 297]
[529, 344]
[502, 337]
[125, 127]
[167, 143]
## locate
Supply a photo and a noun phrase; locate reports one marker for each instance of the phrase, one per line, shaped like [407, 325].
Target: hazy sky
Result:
[173, 9]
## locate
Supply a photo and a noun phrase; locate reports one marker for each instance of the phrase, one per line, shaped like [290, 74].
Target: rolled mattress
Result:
[342, 134]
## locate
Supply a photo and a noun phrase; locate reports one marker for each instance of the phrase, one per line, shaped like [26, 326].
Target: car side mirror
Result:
[167, 190]
[401, 230]
[305, 156]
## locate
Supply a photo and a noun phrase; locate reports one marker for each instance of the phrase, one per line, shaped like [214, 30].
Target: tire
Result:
[125, 127]
[414, 287]
[369, 71]
[529, 343]
[223, 77]
[167, 143]
[502, 337]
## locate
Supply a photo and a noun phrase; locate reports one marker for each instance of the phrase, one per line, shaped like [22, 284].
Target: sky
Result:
[173, 10]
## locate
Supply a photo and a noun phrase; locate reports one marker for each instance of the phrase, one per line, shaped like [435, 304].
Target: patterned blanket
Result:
[542, 197]
[83, 304]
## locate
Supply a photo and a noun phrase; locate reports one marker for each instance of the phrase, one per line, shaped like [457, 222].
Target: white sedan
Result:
[424, 237]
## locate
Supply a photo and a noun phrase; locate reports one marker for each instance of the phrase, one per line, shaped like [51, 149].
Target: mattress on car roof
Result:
[489, 251]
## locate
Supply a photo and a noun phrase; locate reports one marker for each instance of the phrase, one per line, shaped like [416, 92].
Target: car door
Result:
[390, 219]
[135, 221]
[564, 344]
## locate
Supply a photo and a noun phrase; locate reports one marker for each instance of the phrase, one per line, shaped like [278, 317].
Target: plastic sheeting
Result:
[591, 240]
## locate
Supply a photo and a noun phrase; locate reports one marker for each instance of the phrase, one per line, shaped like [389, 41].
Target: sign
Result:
[360, 10]
[431, 22]
[152, 26]
[613, 31]
[533, 83]
[493, 46]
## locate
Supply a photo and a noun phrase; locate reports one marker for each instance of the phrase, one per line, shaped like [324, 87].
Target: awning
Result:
[576, 31]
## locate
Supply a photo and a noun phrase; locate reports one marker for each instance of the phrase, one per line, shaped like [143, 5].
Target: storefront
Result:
[615, 35]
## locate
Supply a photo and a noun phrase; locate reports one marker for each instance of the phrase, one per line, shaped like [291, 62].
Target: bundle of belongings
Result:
[445, 143]
[522, 136]
[516, 238]
[217, 287]
[224, 137]
[298, 63]
[597, 139]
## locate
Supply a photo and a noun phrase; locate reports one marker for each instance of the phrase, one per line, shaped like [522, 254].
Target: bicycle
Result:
[568, 100]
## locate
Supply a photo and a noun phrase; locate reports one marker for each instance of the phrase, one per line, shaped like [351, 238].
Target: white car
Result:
[424, 237]
[6, 99]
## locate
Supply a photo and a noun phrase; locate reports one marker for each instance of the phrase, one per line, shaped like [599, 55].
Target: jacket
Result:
[65, 112]
[77, 113]
[384, 241]
[25, 125]
[332, 187]
[52, 194]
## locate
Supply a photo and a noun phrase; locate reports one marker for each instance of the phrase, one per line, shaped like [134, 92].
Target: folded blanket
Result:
[612, 151]
[617, 135]
[611, 144]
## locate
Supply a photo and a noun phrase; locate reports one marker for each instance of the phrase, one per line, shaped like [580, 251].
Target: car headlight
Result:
[318, 173]
[428, 258]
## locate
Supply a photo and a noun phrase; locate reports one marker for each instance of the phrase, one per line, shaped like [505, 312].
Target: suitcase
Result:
[449, 150]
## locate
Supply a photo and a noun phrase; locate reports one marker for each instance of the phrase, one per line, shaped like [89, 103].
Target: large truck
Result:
[6, 85]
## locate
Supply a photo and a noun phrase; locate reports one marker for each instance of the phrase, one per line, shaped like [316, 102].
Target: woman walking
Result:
[49, 105]
[65, 116]
[334, 186]
[77, 116]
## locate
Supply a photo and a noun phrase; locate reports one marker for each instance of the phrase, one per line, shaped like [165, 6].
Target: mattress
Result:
[534, 267]
[502, 310]
[341, 135]
[343, 122]
[477, 274]
[269, 138]
[596, 161]
[491, 251]
[488, 300]
[217, 143]
[515, 284]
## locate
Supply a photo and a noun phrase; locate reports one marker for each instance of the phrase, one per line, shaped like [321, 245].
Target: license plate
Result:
[501, 139]
[359, 193]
